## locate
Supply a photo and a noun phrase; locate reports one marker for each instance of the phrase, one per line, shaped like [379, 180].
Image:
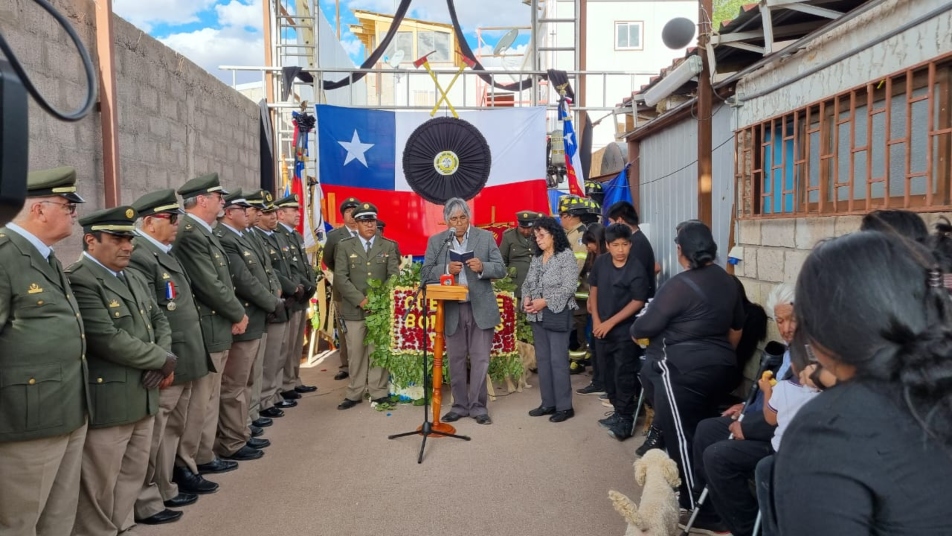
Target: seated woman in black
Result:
[694, 324]
[873, 454]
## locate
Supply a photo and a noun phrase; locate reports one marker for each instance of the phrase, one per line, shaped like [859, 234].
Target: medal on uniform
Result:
[170, 295]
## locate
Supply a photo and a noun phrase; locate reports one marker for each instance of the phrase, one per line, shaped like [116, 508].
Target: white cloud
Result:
[241, 14]
[352, 46]
[210, 48]
[147, 13]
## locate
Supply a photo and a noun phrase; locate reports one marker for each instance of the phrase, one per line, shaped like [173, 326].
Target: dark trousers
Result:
[619, 359]
[681, 401]
[598, 375]
[726, 467]
[763, 476]
[552, 362]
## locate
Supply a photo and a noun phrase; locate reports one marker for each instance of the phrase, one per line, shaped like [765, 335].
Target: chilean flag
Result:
[361, 155]
[573, 162]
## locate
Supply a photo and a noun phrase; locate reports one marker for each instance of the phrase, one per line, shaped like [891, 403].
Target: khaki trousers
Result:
[254, 381]
[341, 338]
[115, 461]
[39, 484]
[233, 430]
[295, 343]
[274, 361]
[363, 377]
[205, 452]
[165, 440]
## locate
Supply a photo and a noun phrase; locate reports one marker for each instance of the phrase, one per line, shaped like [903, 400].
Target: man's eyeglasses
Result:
[173, 218]
[459, 219]
[70, 207]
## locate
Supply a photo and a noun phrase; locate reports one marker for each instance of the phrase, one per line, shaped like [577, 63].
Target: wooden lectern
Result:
[441, 293]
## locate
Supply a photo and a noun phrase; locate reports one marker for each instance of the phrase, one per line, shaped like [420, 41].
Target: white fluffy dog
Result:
[657, 474]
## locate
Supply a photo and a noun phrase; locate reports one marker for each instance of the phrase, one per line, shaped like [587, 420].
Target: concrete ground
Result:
[331, 472]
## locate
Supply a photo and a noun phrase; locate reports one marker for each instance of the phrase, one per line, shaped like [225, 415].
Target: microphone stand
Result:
[427, 429]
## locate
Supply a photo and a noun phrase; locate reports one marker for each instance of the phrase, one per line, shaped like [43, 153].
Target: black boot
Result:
[189, 482]
[653, 441]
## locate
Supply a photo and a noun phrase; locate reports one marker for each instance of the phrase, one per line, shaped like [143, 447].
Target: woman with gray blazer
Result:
[548, 298]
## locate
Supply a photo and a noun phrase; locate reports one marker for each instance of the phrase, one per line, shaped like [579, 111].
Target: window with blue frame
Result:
[778, 165]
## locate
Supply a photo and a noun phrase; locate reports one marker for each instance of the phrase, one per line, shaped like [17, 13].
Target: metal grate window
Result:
[887, 144]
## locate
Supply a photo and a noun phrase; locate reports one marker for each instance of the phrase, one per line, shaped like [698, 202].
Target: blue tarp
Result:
[616, 190]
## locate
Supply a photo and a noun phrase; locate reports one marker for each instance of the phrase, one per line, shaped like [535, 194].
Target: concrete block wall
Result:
[176, 121]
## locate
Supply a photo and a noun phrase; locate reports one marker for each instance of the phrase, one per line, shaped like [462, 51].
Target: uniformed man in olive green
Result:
[518, 246]
[358, 260]
[347, 230]
[129, 355]
[571, 210]
[275, 355]
[221, 314]
[289, 216]
[257, 200]
[253, 289]
[42, 364]
[180, 417]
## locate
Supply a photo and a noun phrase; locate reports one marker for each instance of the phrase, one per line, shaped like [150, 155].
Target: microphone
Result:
[451, 234]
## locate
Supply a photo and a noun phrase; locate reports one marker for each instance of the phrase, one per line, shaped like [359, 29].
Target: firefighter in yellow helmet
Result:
[572, 211]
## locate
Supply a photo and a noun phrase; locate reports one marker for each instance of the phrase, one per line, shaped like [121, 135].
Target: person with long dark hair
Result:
[548, 298]
[875, 450]
[694, 324]
[594, 240]
[904, 222]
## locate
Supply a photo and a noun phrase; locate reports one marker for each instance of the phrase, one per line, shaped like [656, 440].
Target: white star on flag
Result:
[568, 138]
[355, 150]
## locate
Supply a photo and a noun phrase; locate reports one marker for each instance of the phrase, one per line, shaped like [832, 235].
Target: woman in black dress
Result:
[694, 324]
[873, 454]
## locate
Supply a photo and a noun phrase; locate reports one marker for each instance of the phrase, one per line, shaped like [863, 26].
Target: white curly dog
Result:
[657, 515]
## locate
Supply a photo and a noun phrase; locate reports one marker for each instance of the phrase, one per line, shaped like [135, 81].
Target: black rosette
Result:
[446, 157]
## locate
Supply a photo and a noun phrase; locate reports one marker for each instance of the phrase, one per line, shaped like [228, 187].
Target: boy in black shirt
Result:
[619, 289]
[624, 212]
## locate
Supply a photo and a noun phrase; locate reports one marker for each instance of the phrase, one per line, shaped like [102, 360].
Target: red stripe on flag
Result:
[411, 220]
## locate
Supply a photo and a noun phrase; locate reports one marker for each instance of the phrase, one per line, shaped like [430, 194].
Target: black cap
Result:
[527, 218]
[59, 181]
[350, 202]
[236, 199]
[203, 185]
[366, 211]
[119, 221]
[291, 201]
[157, 202]
[381, 224]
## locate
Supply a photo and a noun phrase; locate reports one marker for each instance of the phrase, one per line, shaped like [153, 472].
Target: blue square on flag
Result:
[356, 147]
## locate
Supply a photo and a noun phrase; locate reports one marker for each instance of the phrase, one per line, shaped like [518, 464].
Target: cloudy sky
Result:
[228, 32]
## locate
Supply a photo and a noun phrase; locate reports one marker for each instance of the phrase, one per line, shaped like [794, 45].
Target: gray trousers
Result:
[552, 360]
[469, 340]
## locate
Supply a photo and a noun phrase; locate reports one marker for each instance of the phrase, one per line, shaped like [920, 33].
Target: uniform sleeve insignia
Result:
[247, 253]
[353, 255]
[166, 276]
[34, 289]
[188, 226]
[114, 303]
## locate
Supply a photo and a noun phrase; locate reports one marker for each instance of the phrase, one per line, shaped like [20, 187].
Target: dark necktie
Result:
[51, 258]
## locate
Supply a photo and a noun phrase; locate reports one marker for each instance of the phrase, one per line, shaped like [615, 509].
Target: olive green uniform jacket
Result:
[517, 252]
[292, 245]
[127, 335]
[356, 267]
[251, 275]
[42, 348]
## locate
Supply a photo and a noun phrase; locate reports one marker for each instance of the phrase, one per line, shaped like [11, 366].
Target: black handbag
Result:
[560, 322]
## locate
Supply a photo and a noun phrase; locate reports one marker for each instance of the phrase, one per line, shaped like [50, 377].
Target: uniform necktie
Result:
[367, 246]
[52, 260]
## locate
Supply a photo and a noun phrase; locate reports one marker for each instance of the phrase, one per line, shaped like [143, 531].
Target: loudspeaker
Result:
[14, 143]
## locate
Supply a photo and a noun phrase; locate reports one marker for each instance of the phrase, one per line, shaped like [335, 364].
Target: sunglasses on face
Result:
[70, 207]
[173, 218]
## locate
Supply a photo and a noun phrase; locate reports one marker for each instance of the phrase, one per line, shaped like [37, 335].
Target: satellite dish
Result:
[394, 62]
[506, 42]
[678, 33]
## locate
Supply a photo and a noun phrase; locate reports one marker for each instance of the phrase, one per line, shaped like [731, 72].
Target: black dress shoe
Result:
[563, 415]
[483, 419]
[262, 422]
[342, 375]
[305, 388]
[272, 413]
[348, 403]
[382, 400]
[256, 431]
[180, 500]
[284, 404]
[259, 444]
[217, 466]
[290, 395]
[451, 417]
[189, 482]
[165, 516]
[245, 453]
[542, 410]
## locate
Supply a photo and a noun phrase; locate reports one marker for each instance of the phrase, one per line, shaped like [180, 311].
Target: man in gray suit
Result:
[469, 324]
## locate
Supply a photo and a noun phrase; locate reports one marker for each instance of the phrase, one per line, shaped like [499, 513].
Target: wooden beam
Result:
[109, 117]
[815, 10]
[268, 58]
[747, 46]
[767, 21]
[789, 30]
[704, 120]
